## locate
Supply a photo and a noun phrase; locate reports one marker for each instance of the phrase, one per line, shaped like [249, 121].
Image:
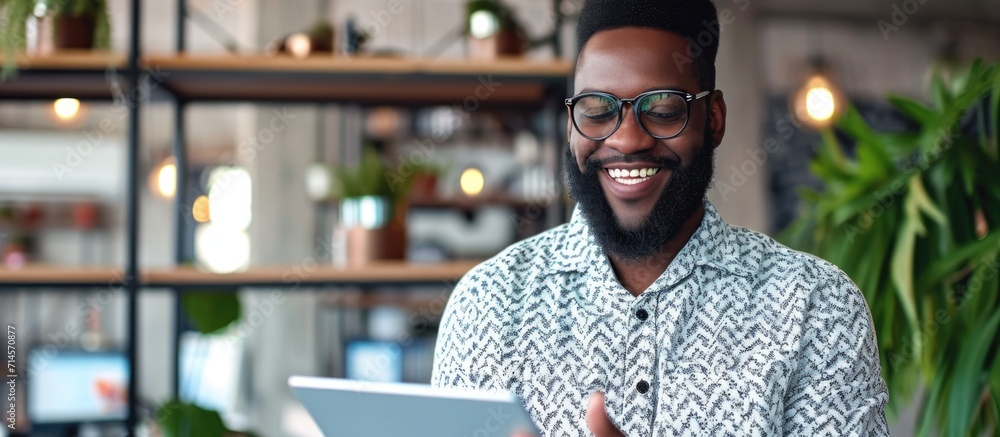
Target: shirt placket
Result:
[640, 379]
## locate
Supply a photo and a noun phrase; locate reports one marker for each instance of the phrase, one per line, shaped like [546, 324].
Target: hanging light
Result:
[484, 18]
[818, 103]
[163, 179]
[66, 108]
[472, 181]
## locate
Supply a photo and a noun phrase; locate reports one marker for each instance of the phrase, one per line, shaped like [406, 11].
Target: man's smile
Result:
[634, 181]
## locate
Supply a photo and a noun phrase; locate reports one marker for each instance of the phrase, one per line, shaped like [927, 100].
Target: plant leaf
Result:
[179, 419]
[913, 109]
[967, 389]
[211, 311]
[940, 269]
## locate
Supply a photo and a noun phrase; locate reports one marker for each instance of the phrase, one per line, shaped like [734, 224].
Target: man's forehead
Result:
[634, 59]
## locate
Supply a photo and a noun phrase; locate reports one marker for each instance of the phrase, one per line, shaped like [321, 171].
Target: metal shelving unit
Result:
[525, 85]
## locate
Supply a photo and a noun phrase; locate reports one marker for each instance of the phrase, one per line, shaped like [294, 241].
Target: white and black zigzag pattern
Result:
[742, 336]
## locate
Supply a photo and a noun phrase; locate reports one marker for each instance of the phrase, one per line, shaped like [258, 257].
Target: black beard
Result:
[684, 193]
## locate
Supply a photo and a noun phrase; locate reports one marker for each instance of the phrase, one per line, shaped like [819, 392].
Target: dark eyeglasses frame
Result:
[688, 98]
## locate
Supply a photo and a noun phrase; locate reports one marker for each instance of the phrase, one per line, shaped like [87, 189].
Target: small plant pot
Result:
[369, 229]
[74, 32]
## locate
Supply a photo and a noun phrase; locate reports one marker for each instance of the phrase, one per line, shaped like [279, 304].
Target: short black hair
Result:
[696, 21]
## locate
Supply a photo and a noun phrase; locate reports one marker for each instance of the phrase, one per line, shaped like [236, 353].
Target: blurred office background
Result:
[264, 179]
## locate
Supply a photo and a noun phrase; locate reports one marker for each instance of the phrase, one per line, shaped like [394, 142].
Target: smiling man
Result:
[647, 314]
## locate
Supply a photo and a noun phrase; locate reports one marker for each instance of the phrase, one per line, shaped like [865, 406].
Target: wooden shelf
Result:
[79, 74]
[363, 80]
[41, 276]
[382, 273]
[476, 203]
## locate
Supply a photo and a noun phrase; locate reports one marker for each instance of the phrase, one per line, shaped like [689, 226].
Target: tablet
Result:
[350, 408]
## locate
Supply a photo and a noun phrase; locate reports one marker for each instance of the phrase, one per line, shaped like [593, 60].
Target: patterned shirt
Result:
[739, 336]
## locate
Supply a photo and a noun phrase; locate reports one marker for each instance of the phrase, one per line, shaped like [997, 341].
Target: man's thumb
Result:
[597, 418]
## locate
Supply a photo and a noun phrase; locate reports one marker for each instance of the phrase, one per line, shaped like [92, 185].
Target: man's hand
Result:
[597, 419]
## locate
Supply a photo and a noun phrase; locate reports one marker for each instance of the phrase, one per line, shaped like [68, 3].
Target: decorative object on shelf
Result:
[163, 179]
[317, 40]
[372, 222]
[914, 219]
[472, 181]
[818, 103]
[493, 30]
[355, 39]
[74, 24]
[66, 109]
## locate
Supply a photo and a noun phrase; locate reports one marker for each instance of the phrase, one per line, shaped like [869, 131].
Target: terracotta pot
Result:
[75, 32]
[506, 43]
[370, 229]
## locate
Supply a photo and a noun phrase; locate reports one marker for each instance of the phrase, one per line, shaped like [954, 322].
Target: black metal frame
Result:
[129, 281]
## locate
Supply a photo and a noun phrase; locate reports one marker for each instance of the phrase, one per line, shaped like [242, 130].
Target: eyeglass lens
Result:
[661, 114]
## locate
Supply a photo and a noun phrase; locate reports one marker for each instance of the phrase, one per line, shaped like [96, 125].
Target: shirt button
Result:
[642, 387]
[642, 314]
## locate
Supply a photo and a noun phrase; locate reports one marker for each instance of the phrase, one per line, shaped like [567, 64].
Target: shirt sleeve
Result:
[837, 387]
[468, 350]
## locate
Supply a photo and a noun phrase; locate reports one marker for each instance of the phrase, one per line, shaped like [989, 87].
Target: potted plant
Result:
[493, 30]
[372, 209]
[210, 313]
[914, 219]
[74, 24]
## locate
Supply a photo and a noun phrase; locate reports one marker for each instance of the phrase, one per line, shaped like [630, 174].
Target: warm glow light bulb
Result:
[298, 45]
[166, 180]
[817, 103]
[483, 24]
[820, 104]
[472, 181]
[66, 109]
[200, 211]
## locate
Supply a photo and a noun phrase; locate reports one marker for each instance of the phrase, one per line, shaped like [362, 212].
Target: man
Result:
[647, 314]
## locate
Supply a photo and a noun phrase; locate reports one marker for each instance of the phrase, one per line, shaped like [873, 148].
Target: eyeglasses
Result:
[661, 114]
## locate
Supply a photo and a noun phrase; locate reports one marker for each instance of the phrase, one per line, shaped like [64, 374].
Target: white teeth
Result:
[632, 177]
[630, 181]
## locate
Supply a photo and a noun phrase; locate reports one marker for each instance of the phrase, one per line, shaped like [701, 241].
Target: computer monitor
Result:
[70, 386]
[388, 361]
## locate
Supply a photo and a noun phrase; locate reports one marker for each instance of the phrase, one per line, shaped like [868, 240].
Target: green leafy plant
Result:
[373, 178]
[18, 12]
[179, 419]
[914, 219]
[210, 312]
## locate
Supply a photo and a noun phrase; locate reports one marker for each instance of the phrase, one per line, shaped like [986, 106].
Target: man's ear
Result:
[717, 117]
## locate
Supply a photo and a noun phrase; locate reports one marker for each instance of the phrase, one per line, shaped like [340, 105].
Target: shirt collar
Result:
[712, 244]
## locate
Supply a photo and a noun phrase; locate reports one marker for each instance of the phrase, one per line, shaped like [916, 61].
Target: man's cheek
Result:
[581, 150]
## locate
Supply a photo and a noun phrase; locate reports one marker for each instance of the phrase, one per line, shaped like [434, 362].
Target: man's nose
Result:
[629, 138]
